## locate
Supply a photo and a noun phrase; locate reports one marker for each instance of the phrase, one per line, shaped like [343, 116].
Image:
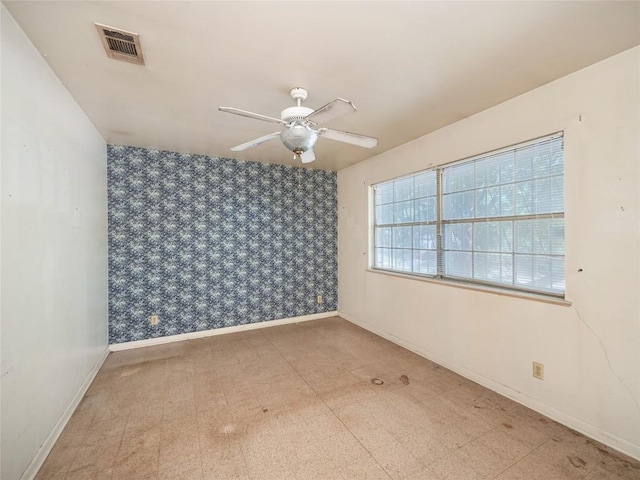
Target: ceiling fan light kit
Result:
[299, 138]
[301, 132]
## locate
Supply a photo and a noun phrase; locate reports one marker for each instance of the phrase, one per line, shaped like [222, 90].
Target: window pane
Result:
[542, 160]
[425, 209]
[556, 192]
[384, 214]
[425, 237]
[492, 236]
[488, 202]
[480, 261]
[506, 161]
[541, 237]
[403, 212]
[541, 273]
[493, 267]
[544, 236]
[383, 258]
[523, 270]
[524, 163]
[458, 205]
[383, 237]
[458, 177]
[542, 196]
[506, 268]
[402, 260]
[458, 236]
[524, 198]
[507, 200]
[458, 264]
[487, 172]
[403, 189]
[557, 158]
[425, 261]
[557, 236]
[523, 236]
[481, 203]
[426, 184]
[557, 274]
[402, 237]
[384, 193]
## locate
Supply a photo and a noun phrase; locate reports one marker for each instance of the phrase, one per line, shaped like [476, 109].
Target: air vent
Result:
[120, 45]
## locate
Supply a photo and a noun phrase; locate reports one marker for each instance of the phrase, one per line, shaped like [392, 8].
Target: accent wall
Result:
[206, 242]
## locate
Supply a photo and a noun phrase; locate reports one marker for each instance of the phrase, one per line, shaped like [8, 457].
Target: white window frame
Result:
[434, 249]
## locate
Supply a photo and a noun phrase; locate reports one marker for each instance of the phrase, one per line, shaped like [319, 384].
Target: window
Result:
[495, 219]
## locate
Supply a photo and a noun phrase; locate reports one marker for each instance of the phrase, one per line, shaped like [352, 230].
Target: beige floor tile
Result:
[348, 395]
[90, 473]
[139, 450]
[322, 384]
[324, 425]
[136, 464]
[484, 460]
[364, 427]
[341, 448]
[397, 461]
[173, 474]
[450, 467]
[424, 446]
[94, 461]
[363, 467]
[179, 460]
[458, 430]
[315, 468]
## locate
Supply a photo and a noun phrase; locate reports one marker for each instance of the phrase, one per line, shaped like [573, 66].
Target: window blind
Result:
[496, 218]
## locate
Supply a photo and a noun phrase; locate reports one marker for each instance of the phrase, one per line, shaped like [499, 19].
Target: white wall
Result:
[591, 349]
[53, 251]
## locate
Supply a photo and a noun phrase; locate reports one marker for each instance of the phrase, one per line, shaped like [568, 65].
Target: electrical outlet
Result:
[320, 299]
[538, 370]
[153, 319]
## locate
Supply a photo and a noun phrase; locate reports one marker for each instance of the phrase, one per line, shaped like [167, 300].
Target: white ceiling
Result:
[409, 67]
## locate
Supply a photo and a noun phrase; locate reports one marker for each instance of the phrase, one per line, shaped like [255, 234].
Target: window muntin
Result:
[495, 219]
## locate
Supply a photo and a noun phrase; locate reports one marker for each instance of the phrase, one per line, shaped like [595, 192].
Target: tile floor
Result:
[297, 402]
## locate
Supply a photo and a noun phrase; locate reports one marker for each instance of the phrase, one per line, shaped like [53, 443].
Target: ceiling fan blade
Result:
[257, 141]
[348, 137]
[257, 116]
[331, 110]
[308, 156]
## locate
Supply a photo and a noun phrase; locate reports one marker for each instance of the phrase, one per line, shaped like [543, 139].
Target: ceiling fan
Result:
[301, 126]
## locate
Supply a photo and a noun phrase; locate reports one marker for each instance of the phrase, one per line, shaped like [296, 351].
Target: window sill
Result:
[538, 297]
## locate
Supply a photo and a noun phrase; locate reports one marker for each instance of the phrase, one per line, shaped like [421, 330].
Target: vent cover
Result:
[120, 45]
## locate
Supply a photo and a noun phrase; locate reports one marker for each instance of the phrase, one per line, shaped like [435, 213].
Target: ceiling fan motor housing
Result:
[293, 114]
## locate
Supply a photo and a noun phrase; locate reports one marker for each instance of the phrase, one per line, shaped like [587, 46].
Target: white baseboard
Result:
[564, 418]
[47, 446]
[218, 331]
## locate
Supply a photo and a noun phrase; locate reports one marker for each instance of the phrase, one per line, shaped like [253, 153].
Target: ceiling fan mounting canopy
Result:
[299, 94]
[301, 132]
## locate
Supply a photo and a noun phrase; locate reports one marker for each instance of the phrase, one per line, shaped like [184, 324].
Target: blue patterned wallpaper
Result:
[207, 242]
